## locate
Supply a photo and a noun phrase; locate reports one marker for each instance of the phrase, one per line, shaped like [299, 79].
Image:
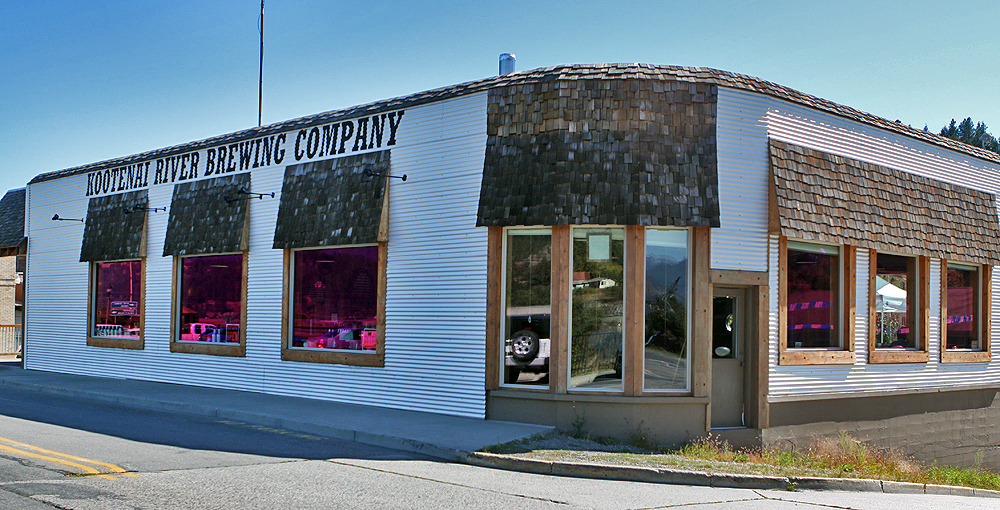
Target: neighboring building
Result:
[13, 248]
[634, 248]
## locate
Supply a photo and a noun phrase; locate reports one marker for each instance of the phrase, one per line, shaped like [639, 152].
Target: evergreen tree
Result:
[971, 133]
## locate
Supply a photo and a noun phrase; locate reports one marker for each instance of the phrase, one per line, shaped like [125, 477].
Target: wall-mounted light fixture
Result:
[141, 207]
[57, 218]
[369, 173]
[244, 191]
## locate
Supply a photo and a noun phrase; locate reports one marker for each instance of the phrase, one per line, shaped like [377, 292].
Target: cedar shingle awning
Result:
[601, 152]
[202, 221]
[824, 197]
[332, 202]
[112, 234]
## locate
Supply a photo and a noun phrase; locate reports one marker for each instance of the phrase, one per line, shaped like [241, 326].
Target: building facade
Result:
[630, 249]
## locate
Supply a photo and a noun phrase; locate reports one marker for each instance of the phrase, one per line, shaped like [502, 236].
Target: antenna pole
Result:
[260, 84]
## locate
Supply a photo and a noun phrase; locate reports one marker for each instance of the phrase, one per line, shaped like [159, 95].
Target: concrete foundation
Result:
[957, 428]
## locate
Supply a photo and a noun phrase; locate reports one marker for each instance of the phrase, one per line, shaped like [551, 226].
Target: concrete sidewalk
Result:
[437, 435]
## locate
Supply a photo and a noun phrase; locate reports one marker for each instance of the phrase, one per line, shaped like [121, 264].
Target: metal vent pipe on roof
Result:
[507, 63]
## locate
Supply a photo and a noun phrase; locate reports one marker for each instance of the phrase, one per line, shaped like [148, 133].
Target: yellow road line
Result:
[87, 469]
[113, 468]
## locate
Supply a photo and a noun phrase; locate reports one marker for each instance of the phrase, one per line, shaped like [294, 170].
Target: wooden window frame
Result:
[982, 324]
[847, 281]
[638, 309]
[116, 343]
[501, 310]
[238, 350]
[628, 295]
[634, 295]
[332, 356]
[919, 318]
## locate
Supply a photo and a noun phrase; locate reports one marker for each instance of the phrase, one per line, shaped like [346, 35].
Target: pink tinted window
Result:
[211, 298]
[335, 298]
[117, 295]
[961, 319]
[813, 292]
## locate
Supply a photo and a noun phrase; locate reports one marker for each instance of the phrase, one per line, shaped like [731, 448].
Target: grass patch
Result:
[842, 457]
[839, 457]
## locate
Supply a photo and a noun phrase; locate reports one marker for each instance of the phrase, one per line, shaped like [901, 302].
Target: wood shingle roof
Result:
[824, 197]
[548, 74]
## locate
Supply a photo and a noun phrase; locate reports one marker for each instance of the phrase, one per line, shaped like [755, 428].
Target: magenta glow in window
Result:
[211, 298]
[335, 298]
[813, 296]
[117, 299]
[961, 321]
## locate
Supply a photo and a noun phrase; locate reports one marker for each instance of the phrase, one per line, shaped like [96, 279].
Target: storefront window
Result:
[597, 319]
[665, 364]
[528, 291]
[813, 293]
[895, 289]
[117, 298]
[335, 299]
[211, 301]
[963, 308]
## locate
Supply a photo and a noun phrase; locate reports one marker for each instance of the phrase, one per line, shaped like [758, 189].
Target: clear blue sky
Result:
[82, 82]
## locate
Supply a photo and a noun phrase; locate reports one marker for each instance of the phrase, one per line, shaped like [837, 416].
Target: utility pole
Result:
[260, 84]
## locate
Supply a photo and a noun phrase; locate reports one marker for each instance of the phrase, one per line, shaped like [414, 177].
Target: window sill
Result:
[816, 358]
[898, 356]
[212, 349]
[116, 343]
[965, 357]
[371, 359]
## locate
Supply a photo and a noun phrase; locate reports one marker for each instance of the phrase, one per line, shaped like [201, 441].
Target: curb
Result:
[721, 480]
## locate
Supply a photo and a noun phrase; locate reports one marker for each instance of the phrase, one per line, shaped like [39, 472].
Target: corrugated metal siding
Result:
[802, 126]
[816, 130]
[741, 240]
[436, 296]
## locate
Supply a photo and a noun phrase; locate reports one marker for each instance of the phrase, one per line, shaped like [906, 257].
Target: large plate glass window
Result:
[597, 319]
[527, 306]
[962, 282]
[813, 291]
[335, 299]
[117, 299]
[895, 302]
[211, 302]
[665, 363]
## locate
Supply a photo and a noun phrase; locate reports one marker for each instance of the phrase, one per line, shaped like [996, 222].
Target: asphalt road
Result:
[156, 460]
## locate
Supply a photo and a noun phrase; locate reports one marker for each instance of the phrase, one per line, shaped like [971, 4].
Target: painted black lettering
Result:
[362, 137]
[185, 162]
[145, 175]
[194, 164]
[90, 184]
[279, 154]
[161, 174]
[393, 126]
[256, 153]
[209, 162]
[106, 181]
[298, 140]
[231, 164]
[345, 135]
[329, 144]
[130, 177]
[378, 127]
[312, 143]
[172, 165]
[121, 178]
[266, 156]
[246, 150]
